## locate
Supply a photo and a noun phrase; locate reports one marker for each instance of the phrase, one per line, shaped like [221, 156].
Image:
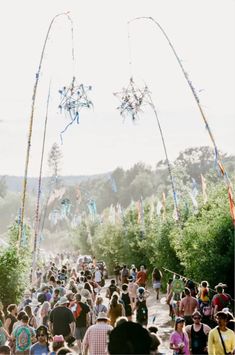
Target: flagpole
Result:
[31, 122]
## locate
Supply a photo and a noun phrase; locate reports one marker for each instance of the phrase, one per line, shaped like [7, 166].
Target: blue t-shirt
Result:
[38, 349]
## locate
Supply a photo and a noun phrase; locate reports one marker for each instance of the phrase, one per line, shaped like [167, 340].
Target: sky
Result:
[203, 34]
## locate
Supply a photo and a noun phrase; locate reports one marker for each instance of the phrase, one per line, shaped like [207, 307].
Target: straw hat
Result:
[102, 315]
[63, 300]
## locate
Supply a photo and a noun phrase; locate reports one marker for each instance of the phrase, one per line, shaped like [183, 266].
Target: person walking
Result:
[198, 334]
[141, 277]
[42, 345]
[61, 320]
[24, 337]
[116, 309]
[188, 305]
[179, 341]
[95, 339]
[156, 281]
[81, 315]
[221, 339]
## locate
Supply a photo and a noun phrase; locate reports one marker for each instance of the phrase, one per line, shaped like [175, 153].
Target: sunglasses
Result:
[41, 335]
[196, 317]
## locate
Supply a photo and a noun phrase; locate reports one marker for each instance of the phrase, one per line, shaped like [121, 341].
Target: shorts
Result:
[80, 332]
[157, 284]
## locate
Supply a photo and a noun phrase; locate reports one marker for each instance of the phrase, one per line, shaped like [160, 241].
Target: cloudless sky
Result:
[202, 32]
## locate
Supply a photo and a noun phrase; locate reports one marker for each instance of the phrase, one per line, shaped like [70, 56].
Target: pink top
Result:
[177, 338]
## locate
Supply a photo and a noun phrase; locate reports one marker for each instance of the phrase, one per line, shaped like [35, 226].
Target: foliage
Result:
[206, 248]
[14, 270]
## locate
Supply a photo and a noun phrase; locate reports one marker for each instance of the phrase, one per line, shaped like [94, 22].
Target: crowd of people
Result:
[71, 304]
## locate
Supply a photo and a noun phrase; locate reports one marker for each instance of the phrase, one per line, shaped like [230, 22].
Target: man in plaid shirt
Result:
[96, 337]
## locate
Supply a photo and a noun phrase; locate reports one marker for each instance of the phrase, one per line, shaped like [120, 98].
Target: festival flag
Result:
[194, 201]
[204, 193]
[221, 167]
[113, 184]
[92, 208]
[231, 204]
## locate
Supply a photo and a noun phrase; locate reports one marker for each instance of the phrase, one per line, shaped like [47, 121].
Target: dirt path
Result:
[158, 315]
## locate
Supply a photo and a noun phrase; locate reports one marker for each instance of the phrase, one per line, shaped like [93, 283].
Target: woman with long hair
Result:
[116, 309]
[179, 341]
[32, 318]
[44, 312]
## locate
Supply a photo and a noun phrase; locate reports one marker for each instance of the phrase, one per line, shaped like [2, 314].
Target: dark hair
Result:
[25, 318]
[78, 297]
[21, 314]
[87, 286]
[124, 287]
[155, 342]
[63, 351]
[222, 315]
[11, 307]
[4, 349]
[219, 289]
[114, 300]
[129, 338]
[28, 310]
[196, 313]
[152, 328]
[187, 291]
[204, 284]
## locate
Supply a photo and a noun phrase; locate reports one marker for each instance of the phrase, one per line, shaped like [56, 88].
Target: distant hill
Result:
[15, 183]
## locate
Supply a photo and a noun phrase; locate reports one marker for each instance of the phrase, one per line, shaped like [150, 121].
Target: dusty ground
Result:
[158, 315]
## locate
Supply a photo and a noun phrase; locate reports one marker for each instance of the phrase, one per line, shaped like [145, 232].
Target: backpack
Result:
[77, 311]
[23, 338]
[142, 311]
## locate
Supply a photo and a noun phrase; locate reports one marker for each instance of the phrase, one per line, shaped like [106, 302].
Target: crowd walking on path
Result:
[73, 308]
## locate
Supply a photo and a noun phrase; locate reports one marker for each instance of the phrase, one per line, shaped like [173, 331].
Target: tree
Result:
[14, 268]
[206, 246]
[54, 160]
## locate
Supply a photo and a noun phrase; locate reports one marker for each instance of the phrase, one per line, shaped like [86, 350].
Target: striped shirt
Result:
[96, 338]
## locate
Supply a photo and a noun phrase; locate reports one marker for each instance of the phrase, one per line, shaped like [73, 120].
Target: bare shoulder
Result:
[188, 329]
[206, 328]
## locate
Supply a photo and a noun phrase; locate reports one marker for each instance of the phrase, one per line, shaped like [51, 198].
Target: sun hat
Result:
[179, 320]
[63, 300]
[220, 284]
[44, 287]
[102, 315]
[58, 339]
